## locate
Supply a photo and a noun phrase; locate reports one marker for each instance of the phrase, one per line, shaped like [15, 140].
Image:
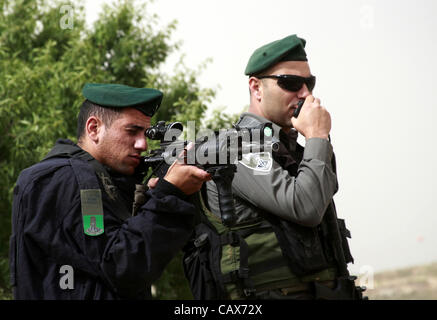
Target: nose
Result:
[303, 92]
[141, 143]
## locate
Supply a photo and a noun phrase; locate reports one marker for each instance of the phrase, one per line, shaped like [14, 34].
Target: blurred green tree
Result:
[47, 53]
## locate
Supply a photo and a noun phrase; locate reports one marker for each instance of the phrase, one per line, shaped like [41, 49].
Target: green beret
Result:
[145, 100]
[290, 48]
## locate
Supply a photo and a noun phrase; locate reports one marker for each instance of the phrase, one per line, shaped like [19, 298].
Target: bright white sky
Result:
[375, 67]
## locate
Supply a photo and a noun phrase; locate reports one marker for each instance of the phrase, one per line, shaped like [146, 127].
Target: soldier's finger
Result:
[309, 98]
[200, 174]
[152, 182]
[190, 146]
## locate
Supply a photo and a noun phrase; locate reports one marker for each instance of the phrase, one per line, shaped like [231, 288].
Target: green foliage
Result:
[43, 68]
[5, 292]
[220, 120]
[173, 284]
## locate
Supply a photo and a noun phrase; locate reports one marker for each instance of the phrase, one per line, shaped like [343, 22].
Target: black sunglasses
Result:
[291, 82]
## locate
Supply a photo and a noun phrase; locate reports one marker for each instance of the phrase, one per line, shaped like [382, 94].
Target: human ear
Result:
[255, 87]
[93, 128]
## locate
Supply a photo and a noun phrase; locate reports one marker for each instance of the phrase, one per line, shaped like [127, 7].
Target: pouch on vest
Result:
[302, 246]
[199, 268]
[216, 261]
[345, 234]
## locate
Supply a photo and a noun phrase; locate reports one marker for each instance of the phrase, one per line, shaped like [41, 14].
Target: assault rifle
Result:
[217, 154]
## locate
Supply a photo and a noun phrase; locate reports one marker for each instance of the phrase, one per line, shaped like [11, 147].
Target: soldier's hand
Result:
[187, 178]
[152, 183]
[314, 121]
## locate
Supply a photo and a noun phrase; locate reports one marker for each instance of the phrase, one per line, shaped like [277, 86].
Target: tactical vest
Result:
[267, 254]
[238, 262]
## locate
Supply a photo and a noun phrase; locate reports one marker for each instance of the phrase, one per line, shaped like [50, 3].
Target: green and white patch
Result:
[92, 211]
[260, 162]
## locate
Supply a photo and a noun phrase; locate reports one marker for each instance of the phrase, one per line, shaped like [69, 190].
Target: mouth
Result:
[136, 158]
[295, 105]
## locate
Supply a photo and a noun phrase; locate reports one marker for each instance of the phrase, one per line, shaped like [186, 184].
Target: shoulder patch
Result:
[260, 162]
[92, 211]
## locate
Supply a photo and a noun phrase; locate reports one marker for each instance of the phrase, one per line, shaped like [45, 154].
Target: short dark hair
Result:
[88, 109]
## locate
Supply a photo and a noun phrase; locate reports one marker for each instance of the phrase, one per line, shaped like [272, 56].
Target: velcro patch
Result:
[92, 211]
[260, 162]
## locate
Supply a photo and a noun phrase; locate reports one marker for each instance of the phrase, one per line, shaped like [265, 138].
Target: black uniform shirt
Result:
[122, 262]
